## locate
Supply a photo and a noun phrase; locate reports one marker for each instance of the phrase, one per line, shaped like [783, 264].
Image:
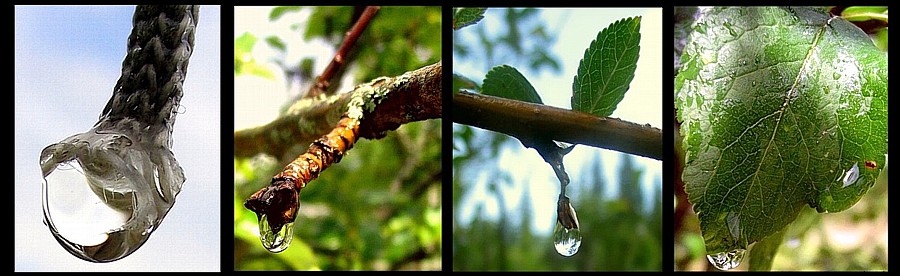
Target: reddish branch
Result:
[419, 98]
[412, 99]
[324, 80]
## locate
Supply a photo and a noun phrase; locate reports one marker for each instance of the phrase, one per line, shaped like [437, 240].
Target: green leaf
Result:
[865, 13]
[506, 82]
[277, 12]
[606, 71]
[781, 108]
[463, 17]
[276, 43]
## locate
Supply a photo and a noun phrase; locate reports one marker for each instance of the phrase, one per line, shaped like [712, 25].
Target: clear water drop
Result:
[566, 241]
[101, 198]
[566, 236]
[275, 240]
[851, 175]
[727, 260]
[74, 211]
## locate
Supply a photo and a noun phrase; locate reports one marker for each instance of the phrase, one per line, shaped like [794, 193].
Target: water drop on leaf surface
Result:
[727, 260]
[851, 175]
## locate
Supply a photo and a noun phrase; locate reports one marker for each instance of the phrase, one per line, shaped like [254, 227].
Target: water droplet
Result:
[100, 197]
[727, 260]
[757, 60]
[566, 241]
[566, 237]
[733, 221]
[753, 83]
[851, 175]
[75, 211]
[275, 240]
[836, 75]
[743, 62]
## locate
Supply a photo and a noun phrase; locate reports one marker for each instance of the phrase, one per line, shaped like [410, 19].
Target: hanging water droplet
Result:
[275, 240]
[566, 237]
[566, 241]
[74, 211]
[100, 194]
[851, 175]
[727, 260]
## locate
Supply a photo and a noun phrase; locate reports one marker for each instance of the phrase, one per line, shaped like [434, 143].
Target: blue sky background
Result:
[67, 61]
[576, 28]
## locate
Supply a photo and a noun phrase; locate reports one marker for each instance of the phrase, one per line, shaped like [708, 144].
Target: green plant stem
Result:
[518, 118]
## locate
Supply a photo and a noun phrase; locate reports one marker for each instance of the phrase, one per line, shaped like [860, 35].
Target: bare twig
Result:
[323, 80]
[523, 119]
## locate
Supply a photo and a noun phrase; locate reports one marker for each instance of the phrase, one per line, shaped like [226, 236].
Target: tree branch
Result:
[337, 61]
[518, 118]
[413, 96]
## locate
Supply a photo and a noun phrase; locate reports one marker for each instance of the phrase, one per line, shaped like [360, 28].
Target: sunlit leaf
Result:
[607, 68]
[463, 17]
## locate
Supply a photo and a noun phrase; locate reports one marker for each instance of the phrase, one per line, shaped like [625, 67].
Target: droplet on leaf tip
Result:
[727, 260]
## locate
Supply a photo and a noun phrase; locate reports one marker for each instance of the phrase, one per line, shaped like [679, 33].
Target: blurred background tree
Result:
[855, 239]
[498, 222]
[380, 207]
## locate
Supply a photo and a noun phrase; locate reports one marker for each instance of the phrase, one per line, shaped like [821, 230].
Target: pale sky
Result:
[67, 61]
[576, 28]
[255, 96]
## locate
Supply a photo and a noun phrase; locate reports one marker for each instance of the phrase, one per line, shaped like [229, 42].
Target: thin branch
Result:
[417, 98]
[518, 118]
[323, 80]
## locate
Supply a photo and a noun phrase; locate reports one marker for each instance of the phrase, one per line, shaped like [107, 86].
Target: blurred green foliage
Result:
[619, 233]
[521, 41]
[380, 207]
